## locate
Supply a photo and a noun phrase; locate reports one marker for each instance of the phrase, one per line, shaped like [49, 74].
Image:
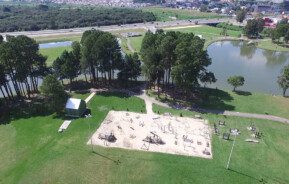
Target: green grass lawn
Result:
[241, 102]
[32, 151]
[53, 53]
[58, 38]
[135, 42]
[268, 45]
[166, 14]
[250, 163]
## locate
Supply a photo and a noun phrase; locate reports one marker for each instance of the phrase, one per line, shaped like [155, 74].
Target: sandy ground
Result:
[174, 135]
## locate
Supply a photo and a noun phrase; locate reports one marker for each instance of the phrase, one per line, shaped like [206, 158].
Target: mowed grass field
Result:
[135, 42]
[237, 101]
[32, 151]
[167, 14]
[53, 53]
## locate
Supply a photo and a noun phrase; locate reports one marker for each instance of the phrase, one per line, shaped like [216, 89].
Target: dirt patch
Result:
[154, 133]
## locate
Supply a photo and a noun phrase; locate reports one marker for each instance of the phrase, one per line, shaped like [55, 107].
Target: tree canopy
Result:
[236, 81]
[22, 18]
[241, 15]
[283, 79]
[254, 27]
[54, 92]
[22, 64]
[174, 57]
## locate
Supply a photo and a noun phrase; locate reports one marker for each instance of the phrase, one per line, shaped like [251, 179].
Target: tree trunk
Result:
[28, 88]
[5, 98]
[92, 69]
[8, 88]
[15, 85]
[284, 92]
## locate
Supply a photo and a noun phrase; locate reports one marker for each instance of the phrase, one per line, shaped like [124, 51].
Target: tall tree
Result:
[54, 93]
[130, 68]
[191, 62]
[22, 60]
[241, 15]
[283, 79]
[101, 52]
[254, 27]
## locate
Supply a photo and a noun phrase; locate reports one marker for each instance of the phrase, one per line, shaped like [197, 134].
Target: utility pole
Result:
[231, 151]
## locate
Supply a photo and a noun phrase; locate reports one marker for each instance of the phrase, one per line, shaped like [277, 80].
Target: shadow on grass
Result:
[214, 99]
[117, 162]
[246, 175]
[114, 94]
[25, 110]
[243, 93]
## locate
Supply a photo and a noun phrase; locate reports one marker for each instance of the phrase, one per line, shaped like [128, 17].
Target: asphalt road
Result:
[147, 26]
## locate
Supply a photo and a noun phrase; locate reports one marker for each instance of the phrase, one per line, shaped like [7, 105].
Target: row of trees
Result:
[98, 55]
[175, 57]
[19, 18]
[21, 65]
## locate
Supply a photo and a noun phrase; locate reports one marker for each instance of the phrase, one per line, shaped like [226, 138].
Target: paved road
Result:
[146, 26]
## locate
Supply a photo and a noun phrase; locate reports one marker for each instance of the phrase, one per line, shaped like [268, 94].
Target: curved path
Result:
[149, 101]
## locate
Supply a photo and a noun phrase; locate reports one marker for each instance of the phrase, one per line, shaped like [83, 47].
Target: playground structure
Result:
[154, 133]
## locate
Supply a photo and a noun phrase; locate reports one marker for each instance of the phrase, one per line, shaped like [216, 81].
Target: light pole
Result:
[228, 164]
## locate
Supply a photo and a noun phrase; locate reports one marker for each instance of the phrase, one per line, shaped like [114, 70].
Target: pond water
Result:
[54, 44]
[259, 67]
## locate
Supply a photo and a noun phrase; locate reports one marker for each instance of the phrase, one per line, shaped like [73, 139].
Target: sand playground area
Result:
[154, 133]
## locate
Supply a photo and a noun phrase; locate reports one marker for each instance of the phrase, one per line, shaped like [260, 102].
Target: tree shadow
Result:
[24, 110]
[215, 99]
[243, 93]
[114, 93]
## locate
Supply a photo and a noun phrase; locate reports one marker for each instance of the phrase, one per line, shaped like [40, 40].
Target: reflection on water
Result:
[259, 67]
[54, 44]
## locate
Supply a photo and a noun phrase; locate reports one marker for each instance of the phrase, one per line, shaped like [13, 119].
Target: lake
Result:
[259, 67]
[54, 44]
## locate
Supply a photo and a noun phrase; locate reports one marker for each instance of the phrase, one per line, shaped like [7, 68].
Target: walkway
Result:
[150, 100]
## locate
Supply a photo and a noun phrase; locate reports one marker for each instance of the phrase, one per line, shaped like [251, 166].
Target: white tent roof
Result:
[72, 103]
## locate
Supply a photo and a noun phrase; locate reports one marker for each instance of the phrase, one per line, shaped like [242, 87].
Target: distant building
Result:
[75, 107]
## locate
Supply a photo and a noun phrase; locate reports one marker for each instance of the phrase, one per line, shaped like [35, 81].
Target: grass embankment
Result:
[236, 101]
[167, 14]
[53, 53]
[268, 45]
[32, 151]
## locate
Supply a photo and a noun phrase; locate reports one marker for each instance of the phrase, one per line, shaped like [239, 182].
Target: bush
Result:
[229, 26]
